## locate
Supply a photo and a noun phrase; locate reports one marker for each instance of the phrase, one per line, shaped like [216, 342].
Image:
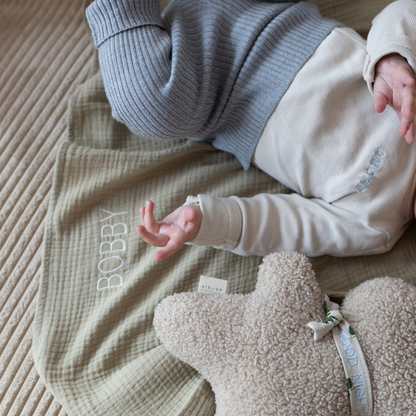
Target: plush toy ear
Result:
[194, 326]
[287, 282]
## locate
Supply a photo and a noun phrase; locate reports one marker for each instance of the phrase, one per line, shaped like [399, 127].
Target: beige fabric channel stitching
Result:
[44, 56]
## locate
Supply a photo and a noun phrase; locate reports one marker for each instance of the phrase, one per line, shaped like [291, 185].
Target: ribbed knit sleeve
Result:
[108, 18]
[154, 84]
[207, 69]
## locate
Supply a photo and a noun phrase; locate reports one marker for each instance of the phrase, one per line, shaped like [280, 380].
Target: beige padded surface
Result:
[44, 56]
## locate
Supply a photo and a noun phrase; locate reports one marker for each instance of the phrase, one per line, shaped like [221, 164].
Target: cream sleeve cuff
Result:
[393, 31]
[221, 222]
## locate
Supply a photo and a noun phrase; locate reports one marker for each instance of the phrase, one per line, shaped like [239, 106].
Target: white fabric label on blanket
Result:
[352, 357]
[212, 285]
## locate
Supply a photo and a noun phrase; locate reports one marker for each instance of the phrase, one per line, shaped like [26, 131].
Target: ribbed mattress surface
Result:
[44, 54]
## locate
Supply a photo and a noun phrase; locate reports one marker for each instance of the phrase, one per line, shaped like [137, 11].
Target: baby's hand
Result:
[172, 232]
[395, 85]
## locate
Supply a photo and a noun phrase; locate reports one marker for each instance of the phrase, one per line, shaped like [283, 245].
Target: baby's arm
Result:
[391, 63]
[263, 224]
[280, 222]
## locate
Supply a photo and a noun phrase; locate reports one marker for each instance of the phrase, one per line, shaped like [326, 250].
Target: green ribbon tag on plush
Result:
[355, 367]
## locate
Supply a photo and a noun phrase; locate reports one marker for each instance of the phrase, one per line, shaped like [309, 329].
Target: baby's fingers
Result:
[405, 128]
[406, 76]
[142, 211]
[147, 218]
[380, 101]
[155, 240]
[172, 247]
[407, 112]
[410, 135]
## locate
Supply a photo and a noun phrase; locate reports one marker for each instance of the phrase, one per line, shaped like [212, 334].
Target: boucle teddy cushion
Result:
[259, 355]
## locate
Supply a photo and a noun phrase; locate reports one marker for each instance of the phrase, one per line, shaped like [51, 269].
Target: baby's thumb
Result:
[190, 214]
[193, 217]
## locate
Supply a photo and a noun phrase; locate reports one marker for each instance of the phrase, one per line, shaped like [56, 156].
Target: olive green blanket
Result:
[94, 344]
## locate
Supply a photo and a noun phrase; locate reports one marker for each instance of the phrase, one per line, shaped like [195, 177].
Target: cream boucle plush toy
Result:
[260, 356]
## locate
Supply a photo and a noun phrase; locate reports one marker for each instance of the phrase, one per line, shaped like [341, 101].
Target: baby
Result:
[281, 88]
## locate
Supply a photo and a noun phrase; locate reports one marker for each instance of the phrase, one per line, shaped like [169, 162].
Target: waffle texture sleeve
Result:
[393, 31]
[269, 223]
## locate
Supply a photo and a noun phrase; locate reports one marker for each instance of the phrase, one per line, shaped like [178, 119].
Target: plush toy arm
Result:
[383, 314]
[194, 326]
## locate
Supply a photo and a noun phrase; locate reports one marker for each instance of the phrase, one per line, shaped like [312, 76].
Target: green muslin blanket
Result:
[94, 344]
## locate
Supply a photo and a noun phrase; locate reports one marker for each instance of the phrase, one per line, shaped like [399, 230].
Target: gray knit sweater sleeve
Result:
[206, 69]
[148, 86]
